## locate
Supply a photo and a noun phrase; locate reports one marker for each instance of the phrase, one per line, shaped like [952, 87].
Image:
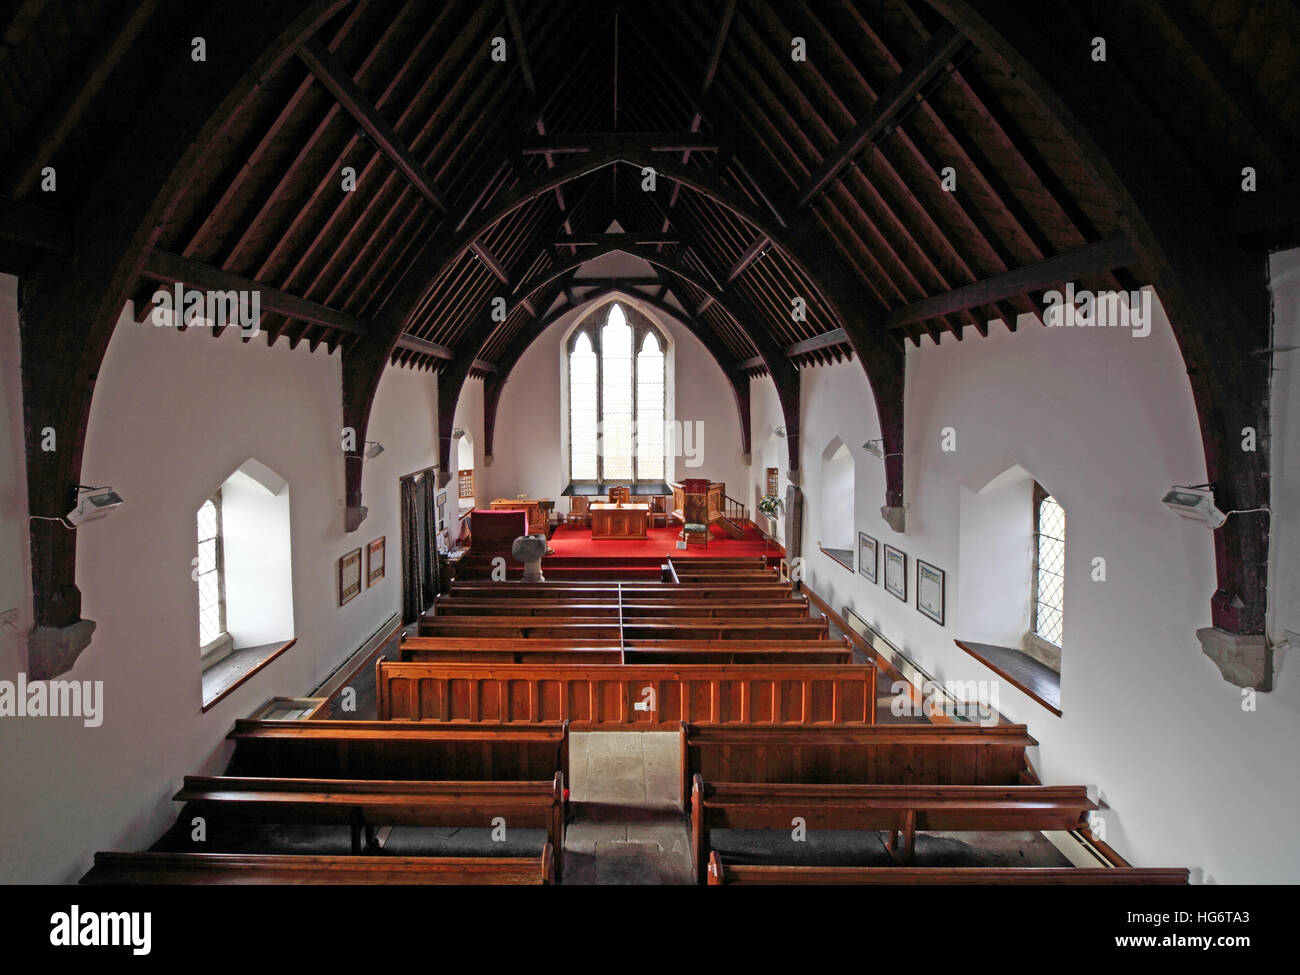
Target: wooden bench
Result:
[720, 874]
[709, 609]
[690, 575]
[238, 868]
[900, 809]
[452, 650]
[689, 628]
[880, 754]
[406, 752]
[597, 592]
[611, 697]
[363, 805]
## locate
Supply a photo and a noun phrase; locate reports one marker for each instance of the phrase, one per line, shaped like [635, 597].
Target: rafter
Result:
[614, 240]
[568, 144]
[21, 223]
[61, 119]
[521, 49]
[941, 49]
[356, 103]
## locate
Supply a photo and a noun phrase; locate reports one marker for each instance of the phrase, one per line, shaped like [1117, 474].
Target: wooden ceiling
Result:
[409, 96]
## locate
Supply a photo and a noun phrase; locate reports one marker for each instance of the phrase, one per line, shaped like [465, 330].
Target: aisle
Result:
[628, 826]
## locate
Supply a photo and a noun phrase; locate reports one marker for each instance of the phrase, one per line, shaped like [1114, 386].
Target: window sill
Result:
[1022, 671]
[223, 677]
[640, 489]
[844, 556]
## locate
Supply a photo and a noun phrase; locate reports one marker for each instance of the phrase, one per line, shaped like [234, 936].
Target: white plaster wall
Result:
[173, 414]
[836, 501]
[996, 534]
[770, 450]
[1106, 422]
[525, 454]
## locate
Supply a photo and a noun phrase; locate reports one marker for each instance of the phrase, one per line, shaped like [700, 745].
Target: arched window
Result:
[244, 572]
[210, 575]
[616, 402]
[1049, 567]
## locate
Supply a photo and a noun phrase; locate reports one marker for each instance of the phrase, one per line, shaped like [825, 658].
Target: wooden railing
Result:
[734, 510]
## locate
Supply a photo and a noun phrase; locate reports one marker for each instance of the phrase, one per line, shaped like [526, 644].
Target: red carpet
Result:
[571, 542]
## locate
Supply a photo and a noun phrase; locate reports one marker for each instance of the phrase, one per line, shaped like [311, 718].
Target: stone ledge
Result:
[353, 517]
[52, 650]
[895, 517]
[1246, 661]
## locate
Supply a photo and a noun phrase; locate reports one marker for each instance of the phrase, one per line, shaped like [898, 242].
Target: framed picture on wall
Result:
[773, 489]
[349, 576]
[867, 547]
[929, 591]
[375, 560]
[896, 572]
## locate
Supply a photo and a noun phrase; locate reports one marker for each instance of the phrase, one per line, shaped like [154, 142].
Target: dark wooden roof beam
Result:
[521, 49]
[893, 100]
[356, 103]
[1106, 255]
[165, 267]
[567, 144]
[21, 223]
[645, 238]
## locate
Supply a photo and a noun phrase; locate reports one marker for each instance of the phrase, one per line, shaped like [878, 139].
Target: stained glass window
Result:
[1049, 567]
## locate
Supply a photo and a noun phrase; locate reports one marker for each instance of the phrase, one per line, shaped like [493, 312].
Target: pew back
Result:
[720, 874]
[638, 696]
[880, 754]
[242, 868]
[381, 750]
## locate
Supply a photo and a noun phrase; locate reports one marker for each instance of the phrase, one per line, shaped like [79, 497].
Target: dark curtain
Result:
[413, 594]
[432, 583]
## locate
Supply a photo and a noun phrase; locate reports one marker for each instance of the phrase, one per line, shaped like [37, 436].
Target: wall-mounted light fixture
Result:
[373, 448]
[1196, 503]
[93, 503]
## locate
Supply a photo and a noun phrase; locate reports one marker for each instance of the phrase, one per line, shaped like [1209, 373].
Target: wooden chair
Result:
[658, 512]
[620, 495]
[579, 516]
[695, 512]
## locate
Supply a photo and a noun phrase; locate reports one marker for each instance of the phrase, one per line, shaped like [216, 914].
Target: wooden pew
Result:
[610, 630]
[611, 697]
[118, 869]
[629, 606]
[724, 874]
[365, 804]
[694, 576]
[383, 750]
[598, 592]
[450, 650]
[880, 754]
[900, 809]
